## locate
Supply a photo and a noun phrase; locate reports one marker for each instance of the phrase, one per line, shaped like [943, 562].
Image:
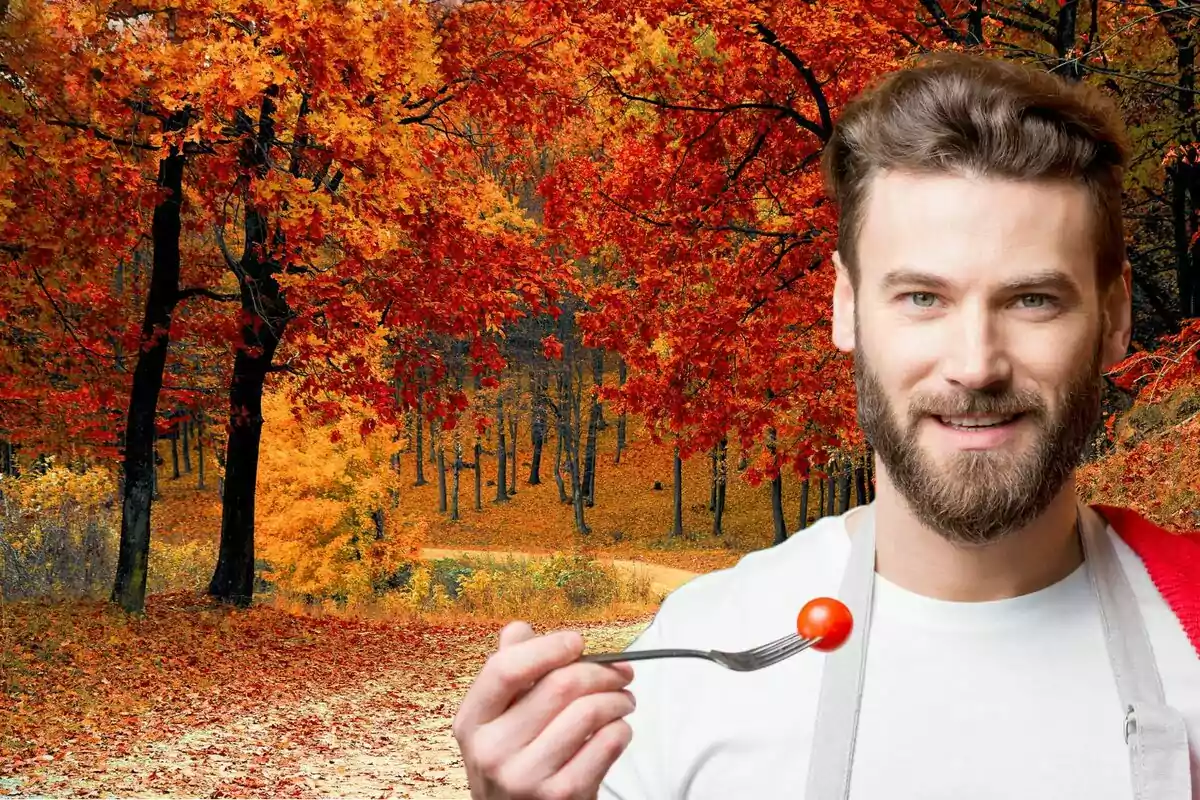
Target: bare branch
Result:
[434, 106]
[230, 261]
[790, 113]
[1028, 27]
[199, 291]
[810, 79]
[290, 369]
[939, 16]
[81, 126]
[62, 317]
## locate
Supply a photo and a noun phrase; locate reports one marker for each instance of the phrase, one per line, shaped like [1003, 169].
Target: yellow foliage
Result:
[36, 492]
[560, 587]
[182, 566]
[321, 489]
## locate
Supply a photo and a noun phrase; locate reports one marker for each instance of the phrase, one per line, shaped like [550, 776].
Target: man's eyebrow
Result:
[1049, 279]
[1052, 279]
[912, 277]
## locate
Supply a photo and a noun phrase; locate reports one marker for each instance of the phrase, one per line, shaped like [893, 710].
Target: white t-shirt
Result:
[1005, 699]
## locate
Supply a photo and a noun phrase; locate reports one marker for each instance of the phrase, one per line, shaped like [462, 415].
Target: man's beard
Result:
[979, 496]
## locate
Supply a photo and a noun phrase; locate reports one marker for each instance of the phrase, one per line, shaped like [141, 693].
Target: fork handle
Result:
[641, 655]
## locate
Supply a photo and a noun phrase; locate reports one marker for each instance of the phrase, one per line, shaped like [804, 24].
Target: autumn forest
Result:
[336, 333]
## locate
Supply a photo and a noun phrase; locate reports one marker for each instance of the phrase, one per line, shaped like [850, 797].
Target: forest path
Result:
[385, 737]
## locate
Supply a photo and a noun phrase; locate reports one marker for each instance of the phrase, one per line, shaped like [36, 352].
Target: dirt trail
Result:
[662, 579]
[383, 739]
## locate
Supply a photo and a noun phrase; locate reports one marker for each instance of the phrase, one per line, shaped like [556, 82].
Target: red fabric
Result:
[1172, 559]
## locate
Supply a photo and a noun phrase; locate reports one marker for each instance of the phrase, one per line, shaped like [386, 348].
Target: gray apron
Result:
[1155, 732]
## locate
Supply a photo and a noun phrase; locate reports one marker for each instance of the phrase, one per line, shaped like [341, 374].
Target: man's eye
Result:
[922, 299]
[1036, 301]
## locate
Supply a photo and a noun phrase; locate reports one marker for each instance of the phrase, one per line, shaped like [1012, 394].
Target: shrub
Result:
[59, 534]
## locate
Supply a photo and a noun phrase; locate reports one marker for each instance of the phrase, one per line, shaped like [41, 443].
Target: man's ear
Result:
[843, 307]
[1117, 313]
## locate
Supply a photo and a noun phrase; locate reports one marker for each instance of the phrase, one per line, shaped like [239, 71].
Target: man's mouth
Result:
[978, 422]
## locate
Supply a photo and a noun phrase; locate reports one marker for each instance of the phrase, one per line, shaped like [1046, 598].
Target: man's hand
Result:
[537, 725]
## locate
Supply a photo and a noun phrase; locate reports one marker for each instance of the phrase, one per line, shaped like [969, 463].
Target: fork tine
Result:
[769, 647]
[791, 650]
[761, 660]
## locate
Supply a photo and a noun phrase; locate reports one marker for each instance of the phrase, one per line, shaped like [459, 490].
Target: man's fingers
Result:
[515, 633]
[582, 775]
[567, 733]
[553, 695]
[511, 670]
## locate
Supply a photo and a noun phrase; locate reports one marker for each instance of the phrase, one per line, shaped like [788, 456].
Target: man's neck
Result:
[920, 560]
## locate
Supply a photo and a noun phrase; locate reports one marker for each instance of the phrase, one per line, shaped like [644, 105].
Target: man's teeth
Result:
[977, 422]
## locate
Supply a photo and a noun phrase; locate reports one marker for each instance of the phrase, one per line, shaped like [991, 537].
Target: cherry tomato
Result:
[827, 619]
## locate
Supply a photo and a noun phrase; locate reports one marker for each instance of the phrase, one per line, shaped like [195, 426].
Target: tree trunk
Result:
[720, 469]
[432, 455]
[175, 455]
[478, 475]
[558, 478]
[233, 580]
[139, 469]
[803, 521]
[830, 493]
[377, 518]
[1064, 40]
[419, 425]
[860, 485]
[537, 427]
[844, 481]
[571, 452]
[593, 431]
[869, 463]
[569, 416]
[776, 491]
[1183, 174]
[820, 497]
[187, 447]
[513, 419]
[200, 451]
[677, 491]
[712, 488]
[458, 462]
[501, 452]
[439, 460]
[622, 376]
[395, 490]
[777, 509]
[157, 495]
[266, 315]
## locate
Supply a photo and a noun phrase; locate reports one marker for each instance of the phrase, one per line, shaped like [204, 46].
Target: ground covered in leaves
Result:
[200, 700]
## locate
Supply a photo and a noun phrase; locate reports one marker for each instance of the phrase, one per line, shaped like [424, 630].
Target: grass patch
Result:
[559, 587]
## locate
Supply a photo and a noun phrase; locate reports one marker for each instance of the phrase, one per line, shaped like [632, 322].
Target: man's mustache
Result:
[976, 404]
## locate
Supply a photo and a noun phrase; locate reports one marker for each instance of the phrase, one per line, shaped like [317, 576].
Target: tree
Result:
[701, 201]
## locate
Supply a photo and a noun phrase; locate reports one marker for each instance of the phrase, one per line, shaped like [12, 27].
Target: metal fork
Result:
[741, 661]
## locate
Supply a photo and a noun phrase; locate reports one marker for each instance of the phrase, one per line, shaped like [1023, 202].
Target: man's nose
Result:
[976, 356]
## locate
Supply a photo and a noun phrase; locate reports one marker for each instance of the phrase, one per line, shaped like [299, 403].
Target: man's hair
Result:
[975, 116]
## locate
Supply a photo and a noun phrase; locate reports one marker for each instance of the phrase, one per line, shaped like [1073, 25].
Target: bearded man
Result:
[1009, 641]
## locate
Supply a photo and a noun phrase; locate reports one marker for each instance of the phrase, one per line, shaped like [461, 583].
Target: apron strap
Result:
[838, 707]
[1158, 747]
[1159, 759]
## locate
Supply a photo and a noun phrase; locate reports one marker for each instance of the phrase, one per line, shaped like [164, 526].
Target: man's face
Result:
[979, 335]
